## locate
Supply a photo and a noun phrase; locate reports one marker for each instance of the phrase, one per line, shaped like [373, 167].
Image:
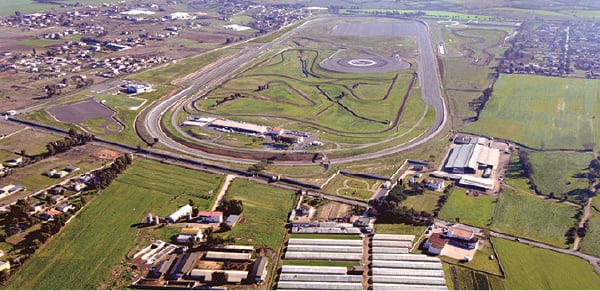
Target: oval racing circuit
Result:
[216, 72]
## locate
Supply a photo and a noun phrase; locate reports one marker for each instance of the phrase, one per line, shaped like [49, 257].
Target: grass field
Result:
[533, 268]
[541, 112]
[98, 238]
[353, 187]
[589, 244]
[424, 202]
[266, 209]
[476, 211]
[532, 217]
[560, 172]
[400, 228]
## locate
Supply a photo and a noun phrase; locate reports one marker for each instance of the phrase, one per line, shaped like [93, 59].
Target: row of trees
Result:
[390, 211]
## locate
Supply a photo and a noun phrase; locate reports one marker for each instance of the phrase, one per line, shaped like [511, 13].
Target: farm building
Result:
[407, 272]
[470, 181]
[183, 265]
[319, 278]
[222, 256]
[239, 126]
[323, 256]
[325, 242]
[71, 168]
[467, 158]
[186, 233]
[324, 249]
[396, 279]
[407, 265]
[390, 250]
[234, 248]
[297, 285]
[183, 211]
[259, 269]
[401, 237]
[10, 189]
[385, 286]
[404, 257]
[391, 243]
[313, 270]
[207, 275]
[210, 216]
[232, 220]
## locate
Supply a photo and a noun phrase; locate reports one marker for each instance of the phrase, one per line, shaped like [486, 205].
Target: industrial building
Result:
[239, 126]
[468, 158]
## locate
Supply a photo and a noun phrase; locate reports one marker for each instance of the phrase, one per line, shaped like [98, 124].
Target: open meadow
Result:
[560, 172]
[530, 216]
[534, 268]
[589, 243]
[83, 254]
[266, 209]
[471, 210]
[542, 112]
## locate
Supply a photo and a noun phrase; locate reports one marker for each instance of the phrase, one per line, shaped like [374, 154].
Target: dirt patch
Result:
[210, 265]
[332, 210]
[106, 154]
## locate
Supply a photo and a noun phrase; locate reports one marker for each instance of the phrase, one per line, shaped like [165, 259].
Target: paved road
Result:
[428, 78]
[591, 259]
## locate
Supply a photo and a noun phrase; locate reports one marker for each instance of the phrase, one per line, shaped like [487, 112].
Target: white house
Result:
[186, 233]
[210, 216]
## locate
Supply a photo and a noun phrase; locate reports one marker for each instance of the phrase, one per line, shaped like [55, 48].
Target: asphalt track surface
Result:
[221, 69]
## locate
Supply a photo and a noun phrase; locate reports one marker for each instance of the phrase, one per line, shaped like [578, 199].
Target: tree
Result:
[219, 278]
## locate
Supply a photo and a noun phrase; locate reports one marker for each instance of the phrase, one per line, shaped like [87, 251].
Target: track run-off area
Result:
[426, 74]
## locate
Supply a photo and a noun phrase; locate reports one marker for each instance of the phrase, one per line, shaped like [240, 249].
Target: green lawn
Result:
[529, 216]
[266, 209]
[424, 202]
[566, 174]
[542, 112]
[533, 268]
[101, 235]
[476, 211]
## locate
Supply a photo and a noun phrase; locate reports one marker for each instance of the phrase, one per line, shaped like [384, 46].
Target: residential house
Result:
[435, 243]
[210, 216]
[4, 265]
[186, 233]
[435, 184]
[65, 207]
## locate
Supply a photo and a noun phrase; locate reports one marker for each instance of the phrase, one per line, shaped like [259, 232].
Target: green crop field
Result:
[82, 255]
[266, 209]
[542, 112]
[532, 217]
[534, 268]
[560, 172]
[477, 211]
